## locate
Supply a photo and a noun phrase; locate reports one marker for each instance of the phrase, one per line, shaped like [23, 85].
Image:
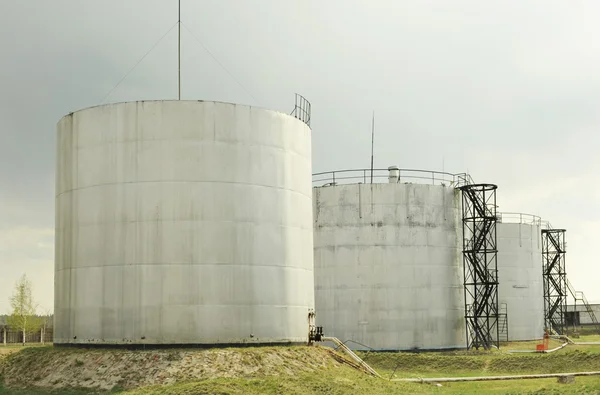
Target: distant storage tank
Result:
[388, 259]
[520, 288]
[183, 222]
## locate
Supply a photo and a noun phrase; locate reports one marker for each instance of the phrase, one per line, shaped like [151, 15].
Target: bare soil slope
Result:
[106, 369]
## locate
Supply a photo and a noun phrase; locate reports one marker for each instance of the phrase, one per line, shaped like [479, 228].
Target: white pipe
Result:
[540, 351]
[555, 349]
[562, 337]
[574, 342]
[490, 378]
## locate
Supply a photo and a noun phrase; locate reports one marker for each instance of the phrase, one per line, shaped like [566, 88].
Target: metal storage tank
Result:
[520, 288]
[388, 259]
[183, 222]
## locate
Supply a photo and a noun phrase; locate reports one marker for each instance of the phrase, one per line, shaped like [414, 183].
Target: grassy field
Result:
[588, 338]
[8, 349]
[350, 384]
[325, 377]
[482, 363]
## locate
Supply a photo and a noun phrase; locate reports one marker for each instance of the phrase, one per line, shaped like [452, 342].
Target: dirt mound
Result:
[106, 369]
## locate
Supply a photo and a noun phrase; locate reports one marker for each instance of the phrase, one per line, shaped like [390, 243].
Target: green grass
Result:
[37, 391]
[345, 381]
[17, 346]
[582, 385]
[351, 384]
[342, 379]
[528, 345]
[587, 338]
[570, 359]
[587, 330]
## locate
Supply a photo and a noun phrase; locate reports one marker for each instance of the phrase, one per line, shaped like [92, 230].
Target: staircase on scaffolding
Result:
[503, 322]
[579, 296]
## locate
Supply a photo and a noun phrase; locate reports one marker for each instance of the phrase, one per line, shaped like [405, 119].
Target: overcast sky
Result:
[508, 90]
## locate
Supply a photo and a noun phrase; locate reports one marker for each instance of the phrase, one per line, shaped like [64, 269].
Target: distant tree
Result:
[23, 316]
[45, 322]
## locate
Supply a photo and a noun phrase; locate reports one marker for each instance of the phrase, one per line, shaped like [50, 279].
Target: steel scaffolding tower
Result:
[480, 265]
[554, 249]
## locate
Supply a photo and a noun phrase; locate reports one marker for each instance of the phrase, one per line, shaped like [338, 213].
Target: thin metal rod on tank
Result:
[495, 257]
[372, 141]
[179, 51]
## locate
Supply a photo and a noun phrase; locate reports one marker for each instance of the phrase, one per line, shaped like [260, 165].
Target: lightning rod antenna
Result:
[372, 141]
[179, 50]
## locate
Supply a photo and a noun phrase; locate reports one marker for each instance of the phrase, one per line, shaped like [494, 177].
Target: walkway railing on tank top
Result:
[355, 176]
[519, 218]
[547, 225]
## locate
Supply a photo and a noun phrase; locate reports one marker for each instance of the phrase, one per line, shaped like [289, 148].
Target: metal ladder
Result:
[503, 322]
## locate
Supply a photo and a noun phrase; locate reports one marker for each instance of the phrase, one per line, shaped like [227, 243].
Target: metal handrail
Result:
[523, 218]
[547, 225]
[519, 218]
[302, 109]
[355, 176]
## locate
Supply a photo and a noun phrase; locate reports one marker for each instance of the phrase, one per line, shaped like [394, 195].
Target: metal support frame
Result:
[554, 249]
[480, 265]
[302, 109]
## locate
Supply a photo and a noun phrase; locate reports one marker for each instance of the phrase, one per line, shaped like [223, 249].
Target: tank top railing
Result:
[379, 176]
[302, 109]
[547, 225]
[519, 218]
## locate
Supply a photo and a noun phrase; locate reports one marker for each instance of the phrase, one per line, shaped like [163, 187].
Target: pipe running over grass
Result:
[352, 355]
[540, 351]
[490, 378]
[570, 341]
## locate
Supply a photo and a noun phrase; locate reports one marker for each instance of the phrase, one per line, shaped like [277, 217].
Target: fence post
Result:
[4, 335]
[42, 335]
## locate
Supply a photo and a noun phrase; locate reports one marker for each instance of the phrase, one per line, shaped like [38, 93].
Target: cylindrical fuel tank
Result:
[388, 265]
[183, 222]
[520, 288]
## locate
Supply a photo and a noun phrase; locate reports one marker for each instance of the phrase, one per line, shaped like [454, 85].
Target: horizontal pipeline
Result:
[490, 378]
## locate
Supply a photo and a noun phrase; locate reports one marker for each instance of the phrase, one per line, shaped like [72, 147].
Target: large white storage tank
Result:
[388, 259]
[183, 222]
[520, 288]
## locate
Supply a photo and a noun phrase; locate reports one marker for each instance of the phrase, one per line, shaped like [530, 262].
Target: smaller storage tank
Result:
[520, 288]
[388, 262]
